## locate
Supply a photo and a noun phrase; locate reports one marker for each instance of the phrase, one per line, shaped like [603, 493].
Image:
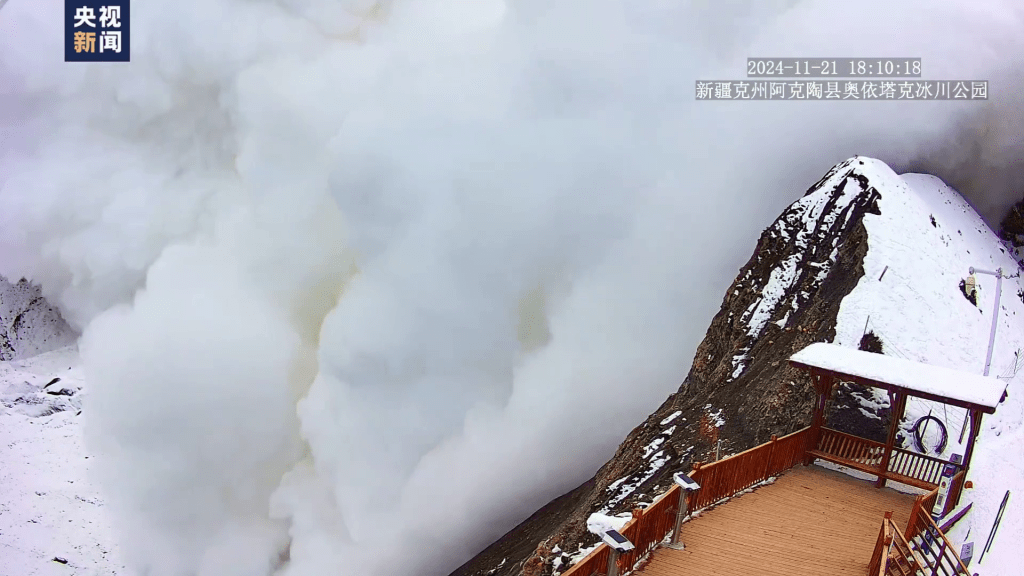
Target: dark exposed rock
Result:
[785, 297]
[1012, 226]
[972, 295]
[1011, 230]
[870, 342]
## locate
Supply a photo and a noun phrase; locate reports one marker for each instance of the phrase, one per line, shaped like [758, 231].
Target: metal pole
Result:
[995, 312]
[995, 319]
[680, 512]
[613, 563]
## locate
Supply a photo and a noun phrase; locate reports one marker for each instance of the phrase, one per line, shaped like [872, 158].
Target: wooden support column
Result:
[975, 416]
[975, 431]
[898, 402]
[823, 387]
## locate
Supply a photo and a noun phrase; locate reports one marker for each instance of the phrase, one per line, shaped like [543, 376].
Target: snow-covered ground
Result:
[910, 297]
[49, 510]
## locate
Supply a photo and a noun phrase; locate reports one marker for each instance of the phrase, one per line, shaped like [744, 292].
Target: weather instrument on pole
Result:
[619, 544]
[687, 486]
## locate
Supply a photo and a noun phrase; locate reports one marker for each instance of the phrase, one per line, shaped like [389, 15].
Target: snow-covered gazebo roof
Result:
[952, 387]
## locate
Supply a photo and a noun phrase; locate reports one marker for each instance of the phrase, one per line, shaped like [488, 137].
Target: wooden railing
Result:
[956, 489]
[853, 450]
[914, 466]
[931, 544]
[594, 563]
[924, 502]
[729, 476]
[893, 555]
[645, 530]
[921, 549]
[718, 480]
[907, 467]
[648, 528]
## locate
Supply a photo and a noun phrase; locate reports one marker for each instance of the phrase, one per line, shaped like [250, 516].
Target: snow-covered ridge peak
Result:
[29, 325]
[797, 251]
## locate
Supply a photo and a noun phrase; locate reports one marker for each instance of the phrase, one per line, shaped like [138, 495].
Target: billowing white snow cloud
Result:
[363, 284]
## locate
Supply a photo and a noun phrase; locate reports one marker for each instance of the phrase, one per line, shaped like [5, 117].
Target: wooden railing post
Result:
[899, 405]
[887, 542]
[771, 454]
[823, 386]
[877, 565]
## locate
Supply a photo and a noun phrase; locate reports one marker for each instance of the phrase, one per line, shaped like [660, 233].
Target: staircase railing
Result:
[922, 550]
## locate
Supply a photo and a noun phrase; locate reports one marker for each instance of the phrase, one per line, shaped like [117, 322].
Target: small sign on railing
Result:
[967, 553]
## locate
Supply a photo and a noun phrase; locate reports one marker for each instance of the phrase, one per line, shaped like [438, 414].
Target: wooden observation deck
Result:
[809, 520]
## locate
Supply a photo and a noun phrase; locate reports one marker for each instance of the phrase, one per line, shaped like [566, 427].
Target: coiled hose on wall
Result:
[918, 435]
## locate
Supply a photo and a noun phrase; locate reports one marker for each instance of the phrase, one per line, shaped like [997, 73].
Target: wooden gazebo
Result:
[829, 364]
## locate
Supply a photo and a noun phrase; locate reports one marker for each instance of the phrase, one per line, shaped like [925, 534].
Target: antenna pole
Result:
[995, 313]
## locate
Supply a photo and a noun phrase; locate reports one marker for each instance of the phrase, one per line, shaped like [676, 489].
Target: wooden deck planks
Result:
[811, 521]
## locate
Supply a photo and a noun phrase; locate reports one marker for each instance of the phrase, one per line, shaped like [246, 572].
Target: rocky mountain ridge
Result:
[29, 325]
[739, 390]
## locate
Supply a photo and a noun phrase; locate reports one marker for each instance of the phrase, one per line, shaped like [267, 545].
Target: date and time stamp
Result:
[833, 67]
[839, 79]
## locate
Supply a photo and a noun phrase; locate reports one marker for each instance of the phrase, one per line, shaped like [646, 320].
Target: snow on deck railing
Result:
[718, 480]
[646, 530]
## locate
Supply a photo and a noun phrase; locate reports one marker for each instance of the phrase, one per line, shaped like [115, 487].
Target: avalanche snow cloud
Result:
[363, 284]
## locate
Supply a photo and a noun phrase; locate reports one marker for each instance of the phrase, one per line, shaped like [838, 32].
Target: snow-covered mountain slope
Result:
[29, 325]
[52, 517]
[920, 247]
[864, 251]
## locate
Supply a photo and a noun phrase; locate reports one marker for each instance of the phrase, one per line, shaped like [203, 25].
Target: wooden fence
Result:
[718, 480]
[649, 527]
[956, 489]
[732, 475]
[907, 467]
[933, 546]
[646, 530]
[854, 451]
[921, 549]
[894, 555]
[921, 544]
